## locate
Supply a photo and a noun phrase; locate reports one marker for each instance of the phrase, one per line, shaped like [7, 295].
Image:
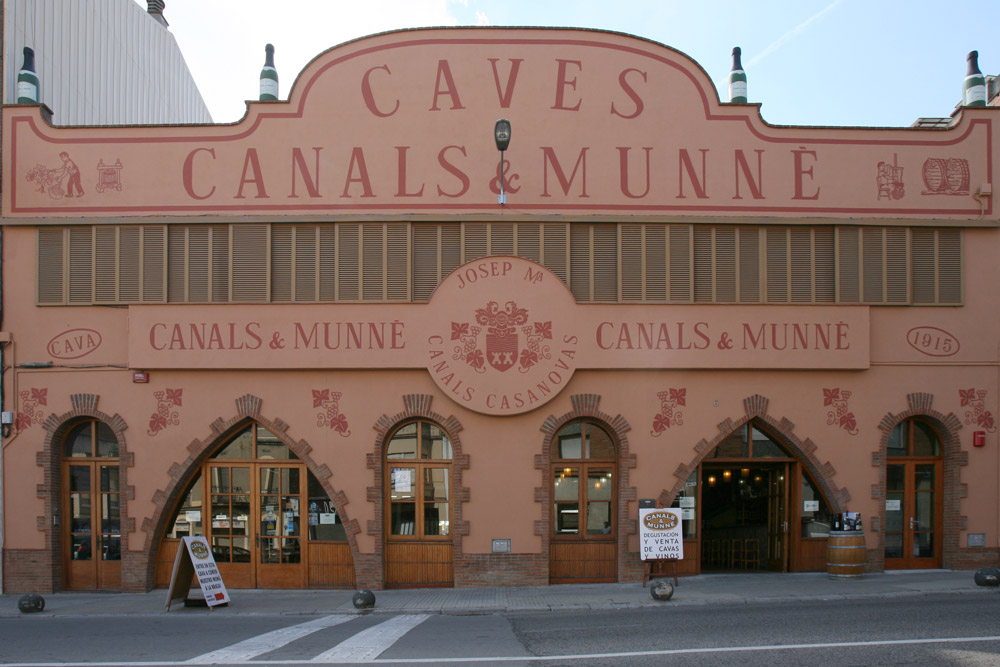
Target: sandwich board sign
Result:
[660, 535]
[195, 559]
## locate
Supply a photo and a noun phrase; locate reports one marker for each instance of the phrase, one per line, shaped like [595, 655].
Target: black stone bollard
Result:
[30, 603]
[987, 576]
[661, 590]
[364, 599]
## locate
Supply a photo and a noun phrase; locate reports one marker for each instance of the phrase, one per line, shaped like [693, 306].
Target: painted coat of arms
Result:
[502, 348]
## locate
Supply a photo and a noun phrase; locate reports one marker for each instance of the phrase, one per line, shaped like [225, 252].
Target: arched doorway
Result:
[913, 500]
[758, 507]
[419, 547]
[584, 544]
[91, 507]
[269, 521]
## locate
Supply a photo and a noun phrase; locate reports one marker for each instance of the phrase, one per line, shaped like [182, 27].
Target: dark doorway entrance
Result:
[745, 507]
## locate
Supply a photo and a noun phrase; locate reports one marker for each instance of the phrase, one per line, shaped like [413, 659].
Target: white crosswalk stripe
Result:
[369, 644]
[268, 641]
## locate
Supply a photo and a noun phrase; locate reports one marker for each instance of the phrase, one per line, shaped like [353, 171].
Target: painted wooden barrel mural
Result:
[946, 176]
[846, 554]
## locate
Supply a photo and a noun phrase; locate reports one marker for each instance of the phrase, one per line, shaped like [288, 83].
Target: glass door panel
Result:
[912, 509]
[599, 488]
[567, 501]
[402, 501]
[436, 496]
[279, 512]
[81, 537]
[777, 519]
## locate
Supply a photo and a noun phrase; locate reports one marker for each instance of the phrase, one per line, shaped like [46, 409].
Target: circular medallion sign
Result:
[503, 343]
[199, 550]
[660, 520]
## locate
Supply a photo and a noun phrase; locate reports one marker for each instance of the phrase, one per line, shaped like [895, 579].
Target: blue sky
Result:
[879, 63]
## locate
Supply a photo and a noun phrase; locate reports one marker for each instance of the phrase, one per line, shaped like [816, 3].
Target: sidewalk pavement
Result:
[741, 588]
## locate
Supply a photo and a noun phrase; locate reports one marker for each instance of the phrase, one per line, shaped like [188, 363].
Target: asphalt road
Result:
[936, 630]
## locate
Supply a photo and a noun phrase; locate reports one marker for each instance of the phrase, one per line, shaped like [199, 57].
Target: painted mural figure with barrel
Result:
[845, 547]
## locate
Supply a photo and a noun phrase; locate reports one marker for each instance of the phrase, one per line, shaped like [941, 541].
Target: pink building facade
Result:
[316, 337]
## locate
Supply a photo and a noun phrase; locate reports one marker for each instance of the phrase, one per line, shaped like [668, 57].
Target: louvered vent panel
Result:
[924, 275]
[475, 241]
[849, 260]
[896, 270]
[347, 262]
[220, 263]
[129, 256]
[177, 264]
[305, 263]
[580, 259]
[826, 279]
[50, 265]
[631, 240]
[81, 265]
[501, 238]
[680, 263]
[451, 248]
[656, 262]
[725, 265]
[373, 285]
[327, 263]
[105, 264]
[950, 265]
[425, 260]
[749, 264]
[554, 249]
[606, 263]
[249, 259]
[397, 262]
[873, 265]
[703, 264]
[802, 273]
[281, 263]
[198, 263]
[153, 263]
[777, 264]
[529, 241]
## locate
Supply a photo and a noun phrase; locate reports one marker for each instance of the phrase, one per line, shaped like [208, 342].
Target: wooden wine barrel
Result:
[846, 554]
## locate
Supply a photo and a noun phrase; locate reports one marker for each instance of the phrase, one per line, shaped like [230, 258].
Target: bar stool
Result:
[736, 552]
[751, 554]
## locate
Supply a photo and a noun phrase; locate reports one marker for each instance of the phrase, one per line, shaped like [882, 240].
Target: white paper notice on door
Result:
[402, 480]
[892, 505]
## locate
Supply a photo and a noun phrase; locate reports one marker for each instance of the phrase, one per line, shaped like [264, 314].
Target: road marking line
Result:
[250, 648]
[370, 643]
[535, 658]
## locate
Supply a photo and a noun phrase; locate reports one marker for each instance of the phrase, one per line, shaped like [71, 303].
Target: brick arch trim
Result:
[84, 406]
[587, 406]
[756, 408]
[947, 426]
[415, 406]
[182, 472]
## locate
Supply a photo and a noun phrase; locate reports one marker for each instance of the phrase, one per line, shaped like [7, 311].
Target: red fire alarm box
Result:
[978, 438]
[140, 377]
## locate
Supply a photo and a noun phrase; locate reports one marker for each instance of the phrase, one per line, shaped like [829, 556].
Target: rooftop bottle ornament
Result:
[27, 79]
[974, 90]
[269, 76]
[737, 80]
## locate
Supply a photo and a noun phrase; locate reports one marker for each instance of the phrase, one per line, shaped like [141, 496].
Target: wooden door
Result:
[913, 515]
[279, 500]
[777, 518]
[255, 526]
[92, 526]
